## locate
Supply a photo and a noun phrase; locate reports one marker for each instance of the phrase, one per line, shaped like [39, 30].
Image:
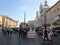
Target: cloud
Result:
[24, 8]
[51, 2]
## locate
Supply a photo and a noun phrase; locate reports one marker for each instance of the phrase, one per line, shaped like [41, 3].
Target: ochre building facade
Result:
[8, 22]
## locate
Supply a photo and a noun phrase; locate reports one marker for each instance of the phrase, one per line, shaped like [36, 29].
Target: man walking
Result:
[20, 31]
[45, 34]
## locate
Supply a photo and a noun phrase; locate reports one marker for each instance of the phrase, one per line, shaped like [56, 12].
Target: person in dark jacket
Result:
[20, 32]
[45, 33]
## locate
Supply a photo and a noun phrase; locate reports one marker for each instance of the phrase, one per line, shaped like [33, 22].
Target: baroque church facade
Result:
[47, 15]
[41, 14]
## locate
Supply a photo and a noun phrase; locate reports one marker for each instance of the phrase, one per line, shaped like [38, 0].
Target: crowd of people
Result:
[23, 31]
[47, 32]
[7, 30]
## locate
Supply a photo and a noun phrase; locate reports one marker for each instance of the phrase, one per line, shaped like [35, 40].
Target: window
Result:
[54, 11]
[57, 9]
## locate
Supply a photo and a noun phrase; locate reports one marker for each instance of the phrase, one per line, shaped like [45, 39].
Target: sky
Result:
[15, 9]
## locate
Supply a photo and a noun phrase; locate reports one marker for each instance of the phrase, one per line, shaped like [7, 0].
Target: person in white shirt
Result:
[50, 34]
[10, 30]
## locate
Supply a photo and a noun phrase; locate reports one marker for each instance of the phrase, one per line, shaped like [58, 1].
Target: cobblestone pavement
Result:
[14, 40]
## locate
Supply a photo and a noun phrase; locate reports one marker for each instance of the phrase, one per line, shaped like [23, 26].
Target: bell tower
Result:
[41, 8]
